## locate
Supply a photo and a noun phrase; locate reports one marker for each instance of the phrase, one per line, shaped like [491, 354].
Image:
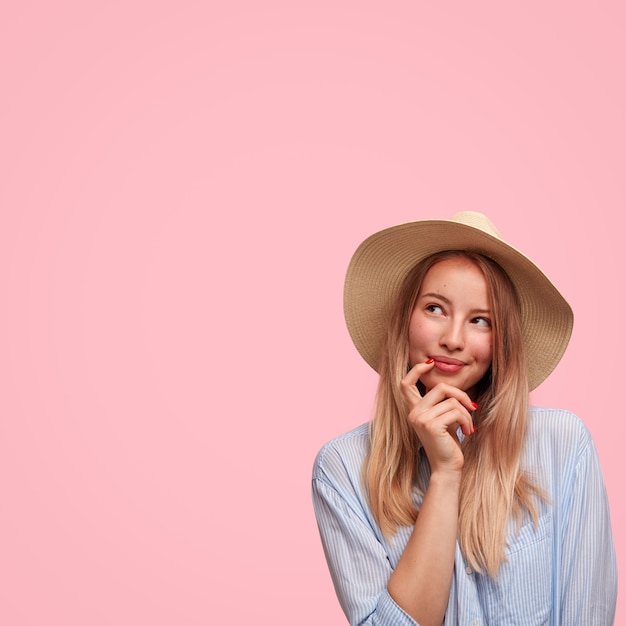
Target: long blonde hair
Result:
[492, 486]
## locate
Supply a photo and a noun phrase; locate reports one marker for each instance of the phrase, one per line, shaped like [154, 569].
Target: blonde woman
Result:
[459, 503]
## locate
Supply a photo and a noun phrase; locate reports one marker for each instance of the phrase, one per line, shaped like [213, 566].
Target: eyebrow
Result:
[438, 296]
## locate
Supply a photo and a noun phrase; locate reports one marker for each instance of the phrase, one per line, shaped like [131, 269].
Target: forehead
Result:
[457, 274]
[454, 267]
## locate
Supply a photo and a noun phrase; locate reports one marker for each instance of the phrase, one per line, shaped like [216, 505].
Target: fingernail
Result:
[430, 361]
[473, 428]
[474, 405]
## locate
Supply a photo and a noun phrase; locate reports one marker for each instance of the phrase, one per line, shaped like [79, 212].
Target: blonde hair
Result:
[492, 486]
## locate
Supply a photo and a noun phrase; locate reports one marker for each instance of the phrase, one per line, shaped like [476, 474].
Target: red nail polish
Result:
[430, 361]
[473, 428]
[474, 405]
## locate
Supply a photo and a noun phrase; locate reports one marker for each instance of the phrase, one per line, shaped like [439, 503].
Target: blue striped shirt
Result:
[561, 572]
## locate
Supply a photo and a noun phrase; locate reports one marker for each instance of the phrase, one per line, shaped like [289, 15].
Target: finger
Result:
[442, 391]
[449, 415]
[408, 384]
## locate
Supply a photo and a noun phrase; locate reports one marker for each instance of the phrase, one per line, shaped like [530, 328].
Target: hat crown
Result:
[477, 220]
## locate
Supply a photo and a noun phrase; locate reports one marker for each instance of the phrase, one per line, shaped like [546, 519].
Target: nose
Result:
[453, 337]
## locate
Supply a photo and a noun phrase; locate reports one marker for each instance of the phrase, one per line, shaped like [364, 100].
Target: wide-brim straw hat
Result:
[381, 263]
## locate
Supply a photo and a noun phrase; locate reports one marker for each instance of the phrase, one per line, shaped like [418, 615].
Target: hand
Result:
[435, 416]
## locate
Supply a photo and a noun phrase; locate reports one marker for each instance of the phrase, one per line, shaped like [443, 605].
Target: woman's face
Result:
[451, 323]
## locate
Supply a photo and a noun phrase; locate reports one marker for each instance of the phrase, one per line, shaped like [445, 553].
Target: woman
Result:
[459, 503]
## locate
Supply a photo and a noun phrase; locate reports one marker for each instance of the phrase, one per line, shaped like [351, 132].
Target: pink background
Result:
[182, 186]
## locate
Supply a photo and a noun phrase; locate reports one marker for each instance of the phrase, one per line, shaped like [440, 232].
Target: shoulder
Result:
[557, 441]
[558, 426]
[337, 483]
[342, 456]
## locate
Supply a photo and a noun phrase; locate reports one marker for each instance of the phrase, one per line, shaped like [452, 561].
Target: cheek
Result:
[416, 336]
[486, 352]
[414, 347]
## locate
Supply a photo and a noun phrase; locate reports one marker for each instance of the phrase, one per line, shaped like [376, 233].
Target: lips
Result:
[448, 365]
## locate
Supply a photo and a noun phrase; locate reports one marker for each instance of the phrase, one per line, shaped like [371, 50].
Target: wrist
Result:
[447, 479]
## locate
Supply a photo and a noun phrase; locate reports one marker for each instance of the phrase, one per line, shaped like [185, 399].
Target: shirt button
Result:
[475, 622]
[468, 570]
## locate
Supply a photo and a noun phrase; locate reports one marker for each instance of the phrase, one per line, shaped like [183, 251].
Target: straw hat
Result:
[382, 261]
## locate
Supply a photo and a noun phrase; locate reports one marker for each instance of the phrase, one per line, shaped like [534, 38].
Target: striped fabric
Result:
[562, 572]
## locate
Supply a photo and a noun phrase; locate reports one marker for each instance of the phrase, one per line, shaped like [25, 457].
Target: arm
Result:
[358, 562]
[421, 582]
[588, 569]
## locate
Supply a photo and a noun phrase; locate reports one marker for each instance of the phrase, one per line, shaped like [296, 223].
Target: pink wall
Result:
[182, 186]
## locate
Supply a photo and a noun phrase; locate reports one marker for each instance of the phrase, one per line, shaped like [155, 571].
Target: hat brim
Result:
[382, 261]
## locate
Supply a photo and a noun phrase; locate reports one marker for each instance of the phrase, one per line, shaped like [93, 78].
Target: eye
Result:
[482, 321]
[434, 308]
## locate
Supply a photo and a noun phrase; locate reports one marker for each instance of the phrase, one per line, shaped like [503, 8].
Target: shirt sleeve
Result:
[358, 564]
[588, 570]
